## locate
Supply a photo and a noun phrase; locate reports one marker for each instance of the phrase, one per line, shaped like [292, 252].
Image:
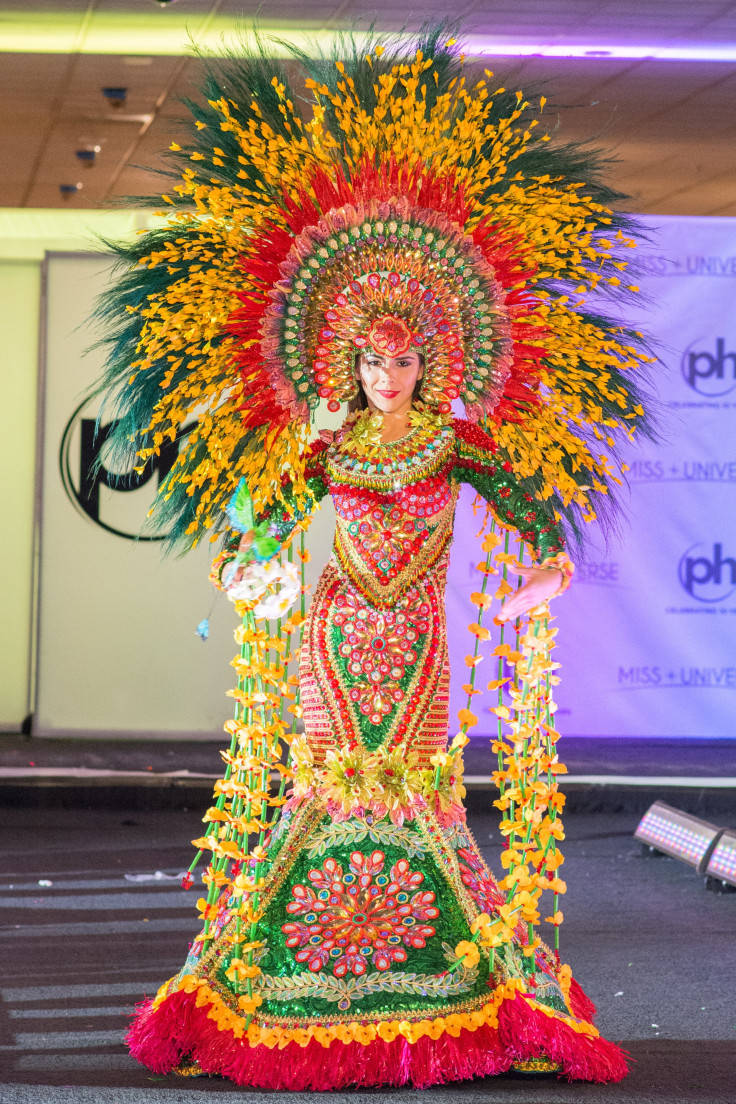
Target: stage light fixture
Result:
[68, 190]
[722, 862]
[678, 834]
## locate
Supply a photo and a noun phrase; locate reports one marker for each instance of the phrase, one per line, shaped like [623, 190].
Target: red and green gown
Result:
[374, 877]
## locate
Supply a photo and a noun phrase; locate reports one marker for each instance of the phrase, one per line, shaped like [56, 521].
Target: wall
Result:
[24, 238]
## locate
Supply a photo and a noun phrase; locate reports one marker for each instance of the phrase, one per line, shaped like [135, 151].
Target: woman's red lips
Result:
[387, 394]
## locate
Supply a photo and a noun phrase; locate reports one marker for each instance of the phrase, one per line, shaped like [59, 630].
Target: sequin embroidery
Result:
[363, 915]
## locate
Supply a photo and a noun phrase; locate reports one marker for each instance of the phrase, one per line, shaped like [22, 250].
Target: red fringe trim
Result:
[581, 1004]
[177, 1029]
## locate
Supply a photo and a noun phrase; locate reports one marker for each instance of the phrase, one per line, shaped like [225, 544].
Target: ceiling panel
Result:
[668, 122]
[724, 28]
[21, 74]
[638, 160]
[579, 75]
[639, 108]
[714, 198]
[192, 7]
[91, 74]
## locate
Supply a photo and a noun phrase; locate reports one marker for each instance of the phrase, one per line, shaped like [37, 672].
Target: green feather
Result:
[240, 509]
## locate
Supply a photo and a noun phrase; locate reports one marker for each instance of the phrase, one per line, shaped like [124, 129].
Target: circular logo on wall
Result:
[709, 577]
[117, 501]
[708, 367]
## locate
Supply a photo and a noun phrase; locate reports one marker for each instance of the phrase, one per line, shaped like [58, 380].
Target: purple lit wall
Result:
[648, 631]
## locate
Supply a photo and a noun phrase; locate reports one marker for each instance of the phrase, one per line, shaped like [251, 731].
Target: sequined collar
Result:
[361, 433]
[359, 457]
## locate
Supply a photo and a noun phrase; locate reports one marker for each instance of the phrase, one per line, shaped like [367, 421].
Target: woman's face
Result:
[389, 382]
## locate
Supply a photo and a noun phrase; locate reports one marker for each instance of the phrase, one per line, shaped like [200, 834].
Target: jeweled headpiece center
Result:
[389, 336]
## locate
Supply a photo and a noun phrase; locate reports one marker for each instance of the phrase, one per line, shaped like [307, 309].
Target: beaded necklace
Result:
[360, 458]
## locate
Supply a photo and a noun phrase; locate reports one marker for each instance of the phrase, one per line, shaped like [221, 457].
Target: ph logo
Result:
[711, 374]
[110, 498]
[708, 578]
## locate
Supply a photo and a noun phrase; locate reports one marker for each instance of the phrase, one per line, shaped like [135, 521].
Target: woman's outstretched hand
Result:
[541, 583]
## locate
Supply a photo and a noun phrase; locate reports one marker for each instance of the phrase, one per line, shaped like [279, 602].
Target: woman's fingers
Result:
[541, 584]
[511, 610]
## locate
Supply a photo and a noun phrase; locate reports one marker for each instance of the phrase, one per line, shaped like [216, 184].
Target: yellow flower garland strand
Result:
[244, 794]
[528, 765]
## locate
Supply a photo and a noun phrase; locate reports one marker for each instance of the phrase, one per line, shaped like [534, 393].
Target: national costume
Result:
[352, 932]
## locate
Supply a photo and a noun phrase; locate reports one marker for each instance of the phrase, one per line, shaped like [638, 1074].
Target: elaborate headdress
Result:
[401, 206]
[389, 274]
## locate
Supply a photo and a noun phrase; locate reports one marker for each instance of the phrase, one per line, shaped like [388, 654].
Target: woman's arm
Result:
[477, 463]
[272, 528]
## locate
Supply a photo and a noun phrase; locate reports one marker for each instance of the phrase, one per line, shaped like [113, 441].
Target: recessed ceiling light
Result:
[116, 97]
[87, 155]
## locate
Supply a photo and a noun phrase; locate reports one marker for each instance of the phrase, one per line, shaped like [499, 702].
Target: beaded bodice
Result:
[394, 505]
[374, 670]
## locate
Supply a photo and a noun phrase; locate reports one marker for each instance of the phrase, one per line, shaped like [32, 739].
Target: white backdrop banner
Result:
[117, 650]
[648, 630]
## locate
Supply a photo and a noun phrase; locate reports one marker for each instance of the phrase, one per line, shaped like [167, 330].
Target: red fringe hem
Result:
[580, 1003]
[177, 1029]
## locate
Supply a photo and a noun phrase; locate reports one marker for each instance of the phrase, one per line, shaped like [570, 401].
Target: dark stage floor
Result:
[653, 949]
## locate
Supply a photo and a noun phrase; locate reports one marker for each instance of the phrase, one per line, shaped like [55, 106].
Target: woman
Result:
[385, 919]
[401, 249]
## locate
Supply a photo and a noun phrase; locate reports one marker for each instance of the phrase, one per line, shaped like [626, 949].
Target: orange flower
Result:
[490, 541]
[215, 814]
[325, 1035]
[435, 1029]
[241, 971]
[468, 952]
[454, 1025]
[248, 1004]
[503, 589]
[364, 1033]
[556, 919]
[388, 1030]
[481, 921]
[467, 718]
